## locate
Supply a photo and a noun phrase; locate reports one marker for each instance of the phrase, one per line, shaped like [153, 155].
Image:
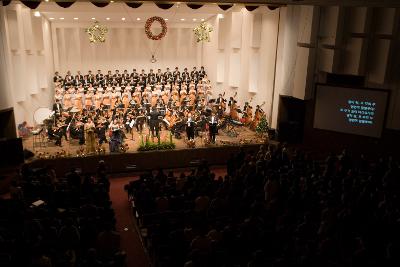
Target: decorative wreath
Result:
[147, 28]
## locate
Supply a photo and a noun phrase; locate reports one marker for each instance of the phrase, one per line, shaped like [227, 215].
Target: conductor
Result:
[190, 127]
[154, 121]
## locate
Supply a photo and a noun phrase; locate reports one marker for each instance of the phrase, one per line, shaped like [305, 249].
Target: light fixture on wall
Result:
[182, 19]
[61, 18]
[93, 18]
[123, 19]
[51, 18]
[107, 18]
[166, 19]
[36, 14]
[194, 19]
[138, 19]
[76, 18]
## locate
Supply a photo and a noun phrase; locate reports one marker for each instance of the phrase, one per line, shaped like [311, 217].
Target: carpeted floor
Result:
[130, 241]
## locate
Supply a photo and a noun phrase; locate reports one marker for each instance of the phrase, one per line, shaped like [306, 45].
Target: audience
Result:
[273, 209]
[73, 227]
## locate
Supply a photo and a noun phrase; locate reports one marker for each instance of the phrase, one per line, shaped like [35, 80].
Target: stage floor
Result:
[71, 147]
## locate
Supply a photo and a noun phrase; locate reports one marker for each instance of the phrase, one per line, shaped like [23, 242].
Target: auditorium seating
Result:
[58, 221]
[273, 208]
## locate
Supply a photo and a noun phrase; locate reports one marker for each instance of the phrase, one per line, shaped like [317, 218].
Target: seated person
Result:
[24, 130]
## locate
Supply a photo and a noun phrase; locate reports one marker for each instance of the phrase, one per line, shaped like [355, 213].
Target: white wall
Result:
[126, 47]
[241, 55]
[26, 62]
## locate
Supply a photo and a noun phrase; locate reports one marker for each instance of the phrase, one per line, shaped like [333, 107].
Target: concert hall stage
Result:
[133, 160]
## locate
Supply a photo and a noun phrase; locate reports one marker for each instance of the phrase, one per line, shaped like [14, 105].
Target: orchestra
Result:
[90, 106]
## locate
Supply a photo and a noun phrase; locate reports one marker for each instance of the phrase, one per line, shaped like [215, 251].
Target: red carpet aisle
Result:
[130, 241]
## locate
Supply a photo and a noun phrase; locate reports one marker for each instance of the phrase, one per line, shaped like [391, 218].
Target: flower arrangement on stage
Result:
[202, 32]
[97, 33]
[146, 144]
[149, 23]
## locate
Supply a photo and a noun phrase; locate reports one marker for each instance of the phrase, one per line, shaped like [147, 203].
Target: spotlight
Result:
[36, 14]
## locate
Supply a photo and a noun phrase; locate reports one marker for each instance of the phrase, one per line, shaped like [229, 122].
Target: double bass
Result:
[259, 113]
[233, 113]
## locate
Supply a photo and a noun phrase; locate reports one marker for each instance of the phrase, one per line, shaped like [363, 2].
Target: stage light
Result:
[194, 19]
[123, 19]
[93, 18]
[62, 18]
[36, 14]
[107, 18]
[75, 18]
[138, 19]
[182, 19]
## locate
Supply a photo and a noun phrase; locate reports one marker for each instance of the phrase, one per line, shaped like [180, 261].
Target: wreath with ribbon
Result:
[148, 25]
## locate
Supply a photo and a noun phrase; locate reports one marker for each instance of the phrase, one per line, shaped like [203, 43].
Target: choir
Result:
[123, 101]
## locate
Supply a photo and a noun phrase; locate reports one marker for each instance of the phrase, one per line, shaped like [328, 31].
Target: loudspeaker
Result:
[11, 152]
[290, 132]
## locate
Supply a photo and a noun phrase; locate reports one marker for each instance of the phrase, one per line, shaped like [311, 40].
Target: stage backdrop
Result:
[126, 47]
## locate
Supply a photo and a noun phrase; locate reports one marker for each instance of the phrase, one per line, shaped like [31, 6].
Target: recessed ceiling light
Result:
[138, 19]
[107, 18]
[123, 18]
[36, 14]
[61, 18]
[194, 19]
[51, 18]
[202, 19]
[93, 18]
[182, 19]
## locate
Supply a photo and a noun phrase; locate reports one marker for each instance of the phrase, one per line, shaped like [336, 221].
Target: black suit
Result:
[154, 122]
[57, 108]
[190, 129]
[212, 128]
